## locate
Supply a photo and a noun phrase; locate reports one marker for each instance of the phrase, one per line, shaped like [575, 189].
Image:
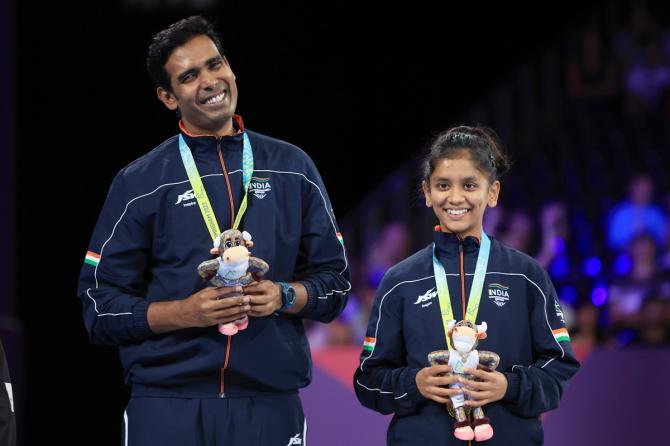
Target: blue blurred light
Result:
[622, 265]
[625, 336]
[599, 295]
[568, 294]
[559, 267]
[375, 276]
[351, 310]
[593, 266]
[560, 244]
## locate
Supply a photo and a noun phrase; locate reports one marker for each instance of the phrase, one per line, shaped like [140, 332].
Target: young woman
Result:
[512, 294]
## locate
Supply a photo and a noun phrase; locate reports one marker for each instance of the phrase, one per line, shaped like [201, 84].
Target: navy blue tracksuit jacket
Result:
[151, 236]
[525, 327]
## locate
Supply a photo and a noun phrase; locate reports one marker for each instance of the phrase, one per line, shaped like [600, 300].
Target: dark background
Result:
[360, 91]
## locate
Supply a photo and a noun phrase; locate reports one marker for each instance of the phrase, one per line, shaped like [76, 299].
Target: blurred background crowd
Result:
[587, 123]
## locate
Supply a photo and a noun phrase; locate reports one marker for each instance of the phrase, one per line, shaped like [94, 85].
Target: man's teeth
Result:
[456, 211]
[216, 99]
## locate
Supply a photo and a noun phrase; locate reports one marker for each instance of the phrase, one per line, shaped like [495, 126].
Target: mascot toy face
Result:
[234, 262]
[465, 335]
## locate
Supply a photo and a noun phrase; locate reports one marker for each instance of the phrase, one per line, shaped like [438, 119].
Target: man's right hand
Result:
[432, 383]
[207, 307]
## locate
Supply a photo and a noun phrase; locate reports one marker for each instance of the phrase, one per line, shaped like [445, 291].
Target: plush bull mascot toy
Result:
[464, 336]
[234, 266]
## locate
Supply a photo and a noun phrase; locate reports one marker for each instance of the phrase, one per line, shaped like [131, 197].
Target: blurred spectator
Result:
[593, 88]
[652, 329]
[392, 245]
[586, 333]
[492, 220]
[648, 79]
[592, 74]
[627, 293]
[555, 232]
[637, 215]
[518, 232]
[627, 40]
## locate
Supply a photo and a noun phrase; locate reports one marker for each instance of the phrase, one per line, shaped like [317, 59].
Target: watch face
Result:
[290, 295]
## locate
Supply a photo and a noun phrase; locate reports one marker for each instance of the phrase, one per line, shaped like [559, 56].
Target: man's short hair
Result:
[176, 35]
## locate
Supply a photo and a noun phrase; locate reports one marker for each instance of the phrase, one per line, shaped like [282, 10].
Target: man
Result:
[140, 288]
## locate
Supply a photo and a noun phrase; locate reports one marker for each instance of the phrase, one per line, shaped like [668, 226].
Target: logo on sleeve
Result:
[186, 199]
[499, 293]
[425, 297]
[559, 311]
[260, 187]
[294, 440]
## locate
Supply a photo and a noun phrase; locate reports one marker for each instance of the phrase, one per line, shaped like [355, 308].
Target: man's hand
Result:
[490, 386]
[264, 298]
[207, 307]
[214, 305]
[433, 386]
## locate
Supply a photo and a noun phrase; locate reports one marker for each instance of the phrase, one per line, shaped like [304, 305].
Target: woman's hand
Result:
[433, 381]
[489, 386]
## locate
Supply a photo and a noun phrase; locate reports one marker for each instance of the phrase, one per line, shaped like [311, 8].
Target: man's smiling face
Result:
[203, 87]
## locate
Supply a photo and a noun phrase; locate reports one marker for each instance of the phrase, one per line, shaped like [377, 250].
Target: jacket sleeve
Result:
[383, 382]
[111, 282]
[538, 387]
[322, 265]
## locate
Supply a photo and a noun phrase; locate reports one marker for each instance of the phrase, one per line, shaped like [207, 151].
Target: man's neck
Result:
[227, 129]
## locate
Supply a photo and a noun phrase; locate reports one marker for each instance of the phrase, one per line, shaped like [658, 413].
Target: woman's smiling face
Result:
[459, 193]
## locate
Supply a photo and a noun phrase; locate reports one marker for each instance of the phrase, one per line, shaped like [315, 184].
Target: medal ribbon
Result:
[475, 291]
[199, 189]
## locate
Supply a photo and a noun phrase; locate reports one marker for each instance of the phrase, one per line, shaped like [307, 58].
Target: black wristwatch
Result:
[287, 295]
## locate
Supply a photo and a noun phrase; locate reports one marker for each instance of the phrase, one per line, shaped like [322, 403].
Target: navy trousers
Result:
[254, 421]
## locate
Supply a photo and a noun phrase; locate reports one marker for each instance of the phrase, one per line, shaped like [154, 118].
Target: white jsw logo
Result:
[428, 295]
[188, 195]
[294, 440]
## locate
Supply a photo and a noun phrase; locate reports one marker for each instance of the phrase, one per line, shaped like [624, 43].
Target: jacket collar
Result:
[206, 142]
[448, 243]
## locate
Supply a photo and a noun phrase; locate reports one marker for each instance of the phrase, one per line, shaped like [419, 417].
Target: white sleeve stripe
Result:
[95, 307]
[372, 390]
[125, 430]
[336, 291]
[379, 316]
[381, 391]
[545, 364]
